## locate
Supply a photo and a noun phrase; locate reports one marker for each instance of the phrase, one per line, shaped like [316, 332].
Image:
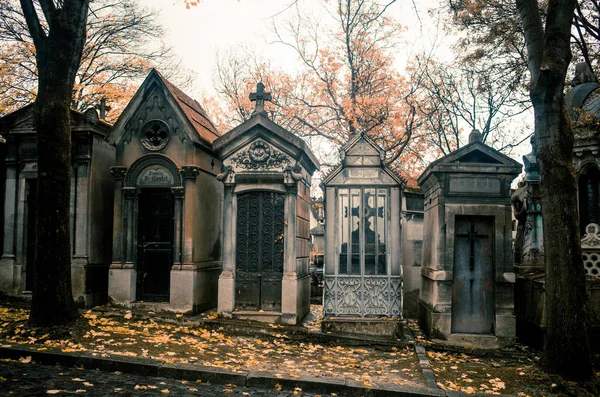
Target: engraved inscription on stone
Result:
[475, 185]
[363, 173]
[28, 150]
[155, 176]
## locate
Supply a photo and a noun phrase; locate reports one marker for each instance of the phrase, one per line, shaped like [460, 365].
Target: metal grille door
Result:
[259, 251]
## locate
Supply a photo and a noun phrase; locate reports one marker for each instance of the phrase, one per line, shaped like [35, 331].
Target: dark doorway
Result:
[589, 198]
[473, 287]
[155, 244]
[31, 238]
[259, 251]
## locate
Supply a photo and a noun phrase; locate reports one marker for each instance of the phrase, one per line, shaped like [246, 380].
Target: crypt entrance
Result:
[155, 244]
[266, 220]
[259, 251]
[473, 286]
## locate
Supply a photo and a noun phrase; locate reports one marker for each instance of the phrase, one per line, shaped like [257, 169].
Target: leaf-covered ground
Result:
[514, 372]
[128, 335]
[176, 339]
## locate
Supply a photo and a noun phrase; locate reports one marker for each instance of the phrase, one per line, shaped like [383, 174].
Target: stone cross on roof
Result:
[260, 96]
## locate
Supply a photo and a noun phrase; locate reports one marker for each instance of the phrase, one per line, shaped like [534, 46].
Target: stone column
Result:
[226, 300]
[178, 195]
[129, 194]
[189, 173]
[80, 232]
[10, 208]
[118, 173]
[122, 274]
[289, 286]
[81, 211]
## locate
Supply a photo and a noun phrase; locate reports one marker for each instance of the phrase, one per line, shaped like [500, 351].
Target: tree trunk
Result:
[567, 349]
[58, 54]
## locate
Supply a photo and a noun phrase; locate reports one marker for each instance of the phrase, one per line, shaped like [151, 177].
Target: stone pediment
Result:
[158, 99]
[363, 176]
[476, 157]
[259, 144]
[21, 122]
[362, 164]
[258, 155]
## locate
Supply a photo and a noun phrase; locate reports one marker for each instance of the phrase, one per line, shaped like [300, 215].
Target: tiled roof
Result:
[193, 111]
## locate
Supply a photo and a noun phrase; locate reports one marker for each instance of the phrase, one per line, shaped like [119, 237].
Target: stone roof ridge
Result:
[192, 109]
[12, 116]
[353, 140]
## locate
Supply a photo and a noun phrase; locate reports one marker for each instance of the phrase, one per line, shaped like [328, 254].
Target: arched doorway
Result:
[589, 197]
[155, 244]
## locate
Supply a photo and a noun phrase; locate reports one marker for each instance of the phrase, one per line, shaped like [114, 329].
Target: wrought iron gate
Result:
[259, 251]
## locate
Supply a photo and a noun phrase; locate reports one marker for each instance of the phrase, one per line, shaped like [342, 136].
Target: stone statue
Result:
[519, 203]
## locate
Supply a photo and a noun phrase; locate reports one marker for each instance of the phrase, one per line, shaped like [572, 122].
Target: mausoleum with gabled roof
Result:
[467, 274]
[267, 174]
[166, 224]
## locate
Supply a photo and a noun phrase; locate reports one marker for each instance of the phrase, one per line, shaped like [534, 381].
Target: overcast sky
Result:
[198, 33]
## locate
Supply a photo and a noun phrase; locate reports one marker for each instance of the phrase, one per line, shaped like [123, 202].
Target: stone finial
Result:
[475, 136]
[583, 74]
[260, 96]
[532, 169]
[103, 109]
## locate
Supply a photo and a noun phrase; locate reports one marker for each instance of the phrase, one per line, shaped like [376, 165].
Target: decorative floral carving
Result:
[260, 156]
[592, 236]
[362, 296]
[155, 135]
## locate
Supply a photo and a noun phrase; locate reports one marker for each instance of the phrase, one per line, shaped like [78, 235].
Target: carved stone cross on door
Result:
[260, 96]
[473, 236]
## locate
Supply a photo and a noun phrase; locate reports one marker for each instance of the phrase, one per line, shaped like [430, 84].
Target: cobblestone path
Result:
[29, 379]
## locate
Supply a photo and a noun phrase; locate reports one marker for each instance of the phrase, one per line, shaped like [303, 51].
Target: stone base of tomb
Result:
[390, 328]
[295, 302]
[10, 276]
[192, 287]
[530, 309]
[438, 326]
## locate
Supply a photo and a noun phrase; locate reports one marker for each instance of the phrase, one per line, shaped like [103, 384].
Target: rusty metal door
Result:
[473, 287]
[259, 251]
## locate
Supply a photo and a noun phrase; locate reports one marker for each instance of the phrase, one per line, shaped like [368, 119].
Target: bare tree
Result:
[567, 349]
[121, 46]
[58, 32]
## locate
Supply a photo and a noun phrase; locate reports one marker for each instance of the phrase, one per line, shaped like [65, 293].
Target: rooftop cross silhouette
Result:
[260, 96]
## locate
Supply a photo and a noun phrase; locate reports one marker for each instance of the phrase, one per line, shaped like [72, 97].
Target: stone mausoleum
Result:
[363, 272]
[167, 201]
[266, 220]
[467, 271]
[91, 203]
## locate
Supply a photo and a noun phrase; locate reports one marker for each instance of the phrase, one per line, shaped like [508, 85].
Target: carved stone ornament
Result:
[260, 156]
[190, 172]
[155, 135]
[592, 236]
[118, 173]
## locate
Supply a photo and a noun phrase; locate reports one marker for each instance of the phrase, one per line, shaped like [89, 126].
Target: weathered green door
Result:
[473, 288]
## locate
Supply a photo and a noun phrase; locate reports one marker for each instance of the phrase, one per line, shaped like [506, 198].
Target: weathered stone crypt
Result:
[167, 201]
[267, 176]
[91, 204]
[467, 273]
